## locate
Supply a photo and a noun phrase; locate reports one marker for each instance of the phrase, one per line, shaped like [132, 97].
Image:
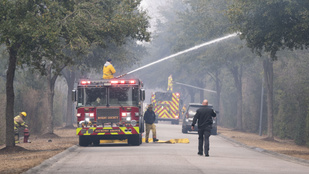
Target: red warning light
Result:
[85, 82]
[114, 82]
[132, 81]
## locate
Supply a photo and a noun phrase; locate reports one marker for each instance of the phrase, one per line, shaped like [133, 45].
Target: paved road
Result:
[225, 157]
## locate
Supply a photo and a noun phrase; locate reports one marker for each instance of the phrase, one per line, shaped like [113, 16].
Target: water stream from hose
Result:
[183, 52]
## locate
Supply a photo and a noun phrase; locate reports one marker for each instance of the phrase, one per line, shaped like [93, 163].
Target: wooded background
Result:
[273, 39]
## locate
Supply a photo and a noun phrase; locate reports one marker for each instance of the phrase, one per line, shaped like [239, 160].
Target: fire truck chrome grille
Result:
[107, 115]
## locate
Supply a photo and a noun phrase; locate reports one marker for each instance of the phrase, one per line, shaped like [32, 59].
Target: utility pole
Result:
[261, 108]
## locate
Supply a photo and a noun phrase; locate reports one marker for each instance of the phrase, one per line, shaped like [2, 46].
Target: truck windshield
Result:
[126, 96]
[192, 110]
[118, 96]
[163, 96]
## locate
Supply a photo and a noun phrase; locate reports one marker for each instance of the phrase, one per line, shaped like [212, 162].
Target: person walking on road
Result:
[108, 70]
[150, 118]
[204, 116]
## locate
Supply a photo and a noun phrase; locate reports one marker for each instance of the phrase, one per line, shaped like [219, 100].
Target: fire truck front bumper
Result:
[107, 131]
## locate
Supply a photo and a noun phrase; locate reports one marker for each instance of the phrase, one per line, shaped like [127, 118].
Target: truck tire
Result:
[214, 131]
[177, 122]
[83, 140]
[134, 140]
[184, 130]
[96, 141]
[140, 139]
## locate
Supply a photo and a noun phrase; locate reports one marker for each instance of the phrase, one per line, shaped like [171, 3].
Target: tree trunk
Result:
[201, 96]
[192, 94]
[237, 74]
[268, 75]
[70, 76]
[218, 94]
[51, 80]
[10, 142]
[48, 128]
[201, 85]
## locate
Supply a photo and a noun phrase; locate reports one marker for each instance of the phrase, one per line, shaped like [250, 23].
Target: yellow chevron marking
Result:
[136, 129]
[165, 114]
[78, 130]
[123, 130]
[110, 128]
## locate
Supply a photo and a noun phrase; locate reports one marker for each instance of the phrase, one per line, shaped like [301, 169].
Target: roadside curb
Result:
[50, 161]
[275, 154]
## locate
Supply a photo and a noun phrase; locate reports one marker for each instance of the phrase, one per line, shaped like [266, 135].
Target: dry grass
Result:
[287, 147]
[28, 155]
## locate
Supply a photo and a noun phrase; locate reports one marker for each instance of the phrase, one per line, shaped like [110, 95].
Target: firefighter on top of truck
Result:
[150, 118]
[18, 123]
[108, 70]
[170, 83]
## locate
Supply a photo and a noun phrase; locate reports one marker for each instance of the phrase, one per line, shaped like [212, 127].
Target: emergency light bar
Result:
[108, 83]
[123, 82]
[85, 82]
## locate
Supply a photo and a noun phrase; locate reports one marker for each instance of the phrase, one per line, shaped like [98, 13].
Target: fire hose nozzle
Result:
[120, 76]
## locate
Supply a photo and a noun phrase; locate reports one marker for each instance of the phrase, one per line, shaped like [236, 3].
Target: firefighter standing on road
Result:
[150, 118]
[204, 116]
[108, 70]
[18, 123]
[183, 110]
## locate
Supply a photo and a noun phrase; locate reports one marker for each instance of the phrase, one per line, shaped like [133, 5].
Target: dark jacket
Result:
[204, 116]
[149, 117]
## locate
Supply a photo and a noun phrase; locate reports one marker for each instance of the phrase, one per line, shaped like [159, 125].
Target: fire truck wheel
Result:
[96, 142]
[184, 130]
[83, 140]
[134, 140]
[140, 139]
[175, 122]
[214, 131]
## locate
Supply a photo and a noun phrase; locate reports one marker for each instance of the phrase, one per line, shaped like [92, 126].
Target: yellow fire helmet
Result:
[24, 114]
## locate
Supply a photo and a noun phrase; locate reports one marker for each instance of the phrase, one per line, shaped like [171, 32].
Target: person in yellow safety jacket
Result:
[18, 123]
[170, 83]
[184, 109]
[108, 70]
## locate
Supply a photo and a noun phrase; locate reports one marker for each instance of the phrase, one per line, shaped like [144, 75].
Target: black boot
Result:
[147, 140]
[154, 140]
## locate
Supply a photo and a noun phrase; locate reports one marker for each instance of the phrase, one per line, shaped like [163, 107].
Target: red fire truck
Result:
[109, 109]
[166, 106]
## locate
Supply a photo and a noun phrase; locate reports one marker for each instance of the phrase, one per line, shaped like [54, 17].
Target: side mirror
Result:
[142, 96]
[74, 95]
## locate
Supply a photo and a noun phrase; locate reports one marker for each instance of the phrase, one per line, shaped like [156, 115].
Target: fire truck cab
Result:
[109, 109]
